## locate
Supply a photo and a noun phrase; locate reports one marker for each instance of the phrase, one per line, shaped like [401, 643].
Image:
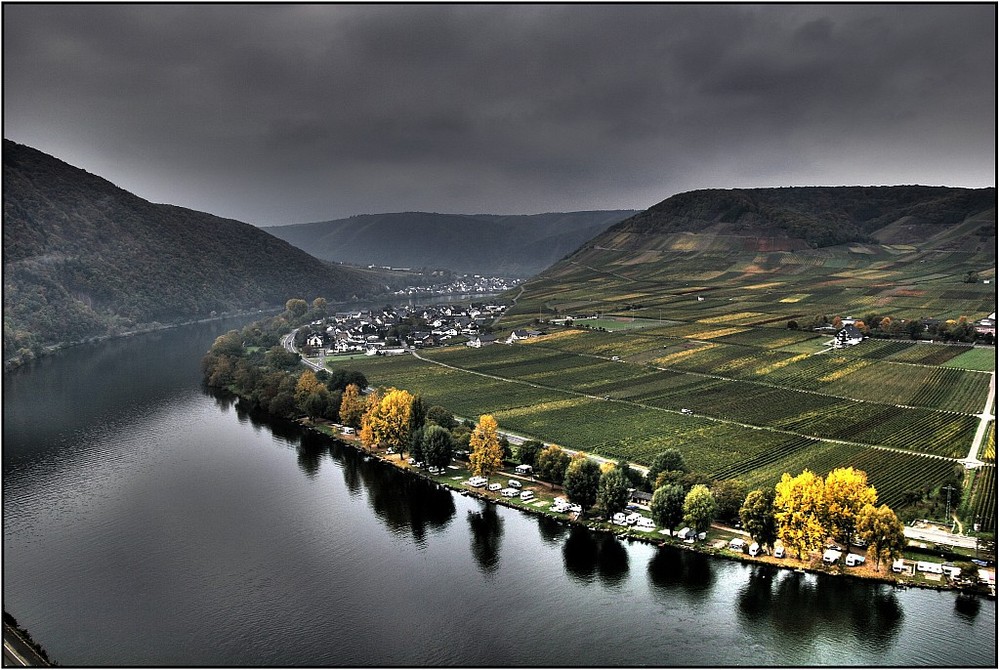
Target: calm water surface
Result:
[149, 522]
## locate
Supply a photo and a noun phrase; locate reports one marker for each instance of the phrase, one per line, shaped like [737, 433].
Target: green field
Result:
[984, 358]
[701, 346]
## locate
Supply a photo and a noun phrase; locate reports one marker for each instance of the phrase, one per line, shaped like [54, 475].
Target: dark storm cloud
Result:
[287, 113]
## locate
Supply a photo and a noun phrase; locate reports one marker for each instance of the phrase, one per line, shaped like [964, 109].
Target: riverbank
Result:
[455, 478]
[17, 361]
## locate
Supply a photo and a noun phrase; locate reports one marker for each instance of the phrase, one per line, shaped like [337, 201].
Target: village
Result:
[465, 284]
[395, 330]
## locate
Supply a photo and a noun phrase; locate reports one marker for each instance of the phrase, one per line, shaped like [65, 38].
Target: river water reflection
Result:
[148, 521]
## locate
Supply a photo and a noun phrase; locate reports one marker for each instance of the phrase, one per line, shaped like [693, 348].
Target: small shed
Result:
[640, 497]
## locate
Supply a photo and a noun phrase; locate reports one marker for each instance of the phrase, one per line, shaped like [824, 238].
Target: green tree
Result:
[282, 404]
[505, 451]
[228, 344]
[441, 417]
[798, 509]
[552, 463]
[528, 452]
[669, 460]
[436, 445]
[612, 492]
[729, 495]
[297, 307]
[757, 516]
[486, 456]
[307, 386]
[883, 532]
[845, 493]
[340, 379]
[581, 481]
[418, 417]
[667, 506]
[699, 508]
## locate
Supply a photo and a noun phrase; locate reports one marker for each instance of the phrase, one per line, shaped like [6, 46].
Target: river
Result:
[148, 521]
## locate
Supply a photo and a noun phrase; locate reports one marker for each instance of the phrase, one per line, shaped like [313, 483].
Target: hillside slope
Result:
[83, 258]
[785, 253]
[512, 245]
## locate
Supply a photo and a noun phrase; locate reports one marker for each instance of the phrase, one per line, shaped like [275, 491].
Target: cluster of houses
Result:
[464, 285]
[393, 330]
[849, 334]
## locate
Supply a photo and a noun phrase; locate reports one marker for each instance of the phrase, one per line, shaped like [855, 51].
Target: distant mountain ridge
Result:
[818, 216]
[493, 244]
[84, 258]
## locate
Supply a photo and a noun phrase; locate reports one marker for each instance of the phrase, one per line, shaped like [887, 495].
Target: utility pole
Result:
[949, 489]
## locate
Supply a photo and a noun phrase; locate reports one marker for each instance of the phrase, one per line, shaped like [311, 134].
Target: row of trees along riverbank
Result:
[804, 512]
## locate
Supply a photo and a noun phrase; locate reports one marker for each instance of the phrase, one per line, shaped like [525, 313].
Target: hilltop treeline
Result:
[821, 216]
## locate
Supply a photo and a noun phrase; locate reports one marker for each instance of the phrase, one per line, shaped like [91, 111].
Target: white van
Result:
[527, 495]
[645, 523]
[779, 552]
[854, 559]
[513, 483]
[754, 549]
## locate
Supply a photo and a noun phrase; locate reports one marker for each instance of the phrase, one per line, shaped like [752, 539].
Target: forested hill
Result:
[513, 245]
[82, 258]
[814, 216]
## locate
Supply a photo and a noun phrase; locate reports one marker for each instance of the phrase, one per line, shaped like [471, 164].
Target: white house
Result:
[848, 336]
[480, 341]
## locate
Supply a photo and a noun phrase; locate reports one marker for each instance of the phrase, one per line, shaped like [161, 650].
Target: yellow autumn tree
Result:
[883, 531]
[352, 406]
[485, 455]
[306, 386]
[798, 508]
[386, 423]
[845, 494]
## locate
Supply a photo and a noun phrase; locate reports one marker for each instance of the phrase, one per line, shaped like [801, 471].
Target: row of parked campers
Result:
[739, 544]
[633, 519]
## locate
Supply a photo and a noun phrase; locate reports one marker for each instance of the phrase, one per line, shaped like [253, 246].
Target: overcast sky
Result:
[276, 114]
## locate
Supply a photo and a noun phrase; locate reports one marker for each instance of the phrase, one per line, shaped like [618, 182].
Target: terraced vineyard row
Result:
[835, 374]
[893, 473]
[984, 501]
[788, 409]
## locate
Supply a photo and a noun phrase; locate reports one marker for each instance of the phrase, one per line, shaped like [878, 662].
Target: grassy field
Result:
[976, 359]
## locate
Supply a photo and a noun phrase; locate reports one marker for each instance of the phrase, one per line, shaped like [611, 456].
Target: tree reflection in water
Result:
[672, 570]
[809, 605]
[486, 528]
[403, 502]
[550, 530]
[967, 606]
[310, 452]
[586, 556]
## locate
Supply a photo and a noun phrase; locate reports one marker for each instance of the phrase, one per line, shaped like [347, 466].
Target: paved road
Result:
[17, 652]
[972, 460]
[288, 342]
[935, 536]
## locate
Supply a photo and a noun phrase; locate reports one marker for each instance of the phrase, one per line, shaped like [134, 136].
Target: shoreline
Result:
[14, 363]
[627, 532]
